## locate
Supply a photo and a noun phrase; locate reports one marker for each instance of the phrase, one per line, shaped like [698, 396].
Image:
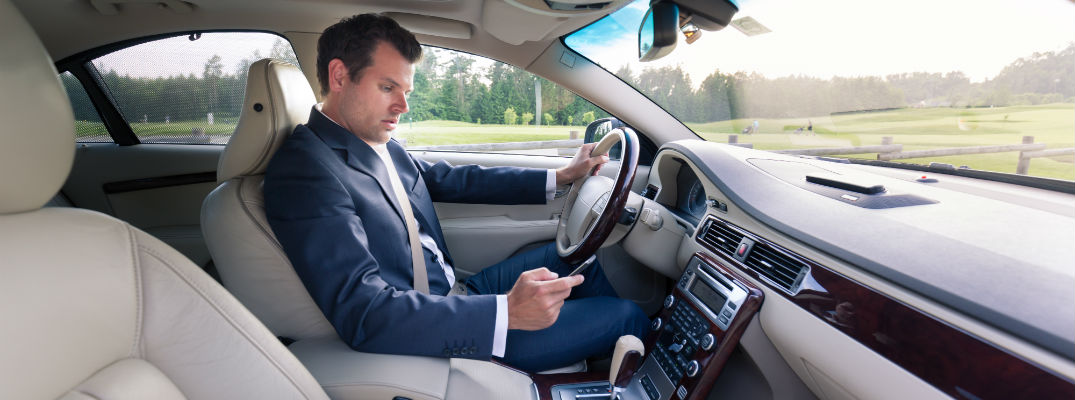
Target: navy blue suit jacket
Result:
[331, 206]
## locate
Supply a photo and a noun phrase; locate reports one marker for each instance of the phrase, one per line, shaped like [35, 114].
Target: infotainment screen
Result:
[710, 297]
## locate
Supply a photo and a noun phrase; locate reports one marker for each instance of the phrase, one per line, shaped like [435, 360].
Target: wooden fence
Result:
[886, 151]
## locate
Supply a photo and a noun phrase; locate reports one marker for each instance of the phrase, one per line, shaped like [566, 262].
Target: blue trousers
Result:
[590, 321]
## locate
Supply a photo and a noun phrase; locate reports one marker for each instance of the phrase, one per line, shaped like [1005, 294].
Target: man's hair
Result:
[353, 41]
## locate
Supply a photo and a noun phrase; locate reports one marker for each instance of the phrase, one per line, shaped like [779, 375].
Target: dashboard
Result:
[882, 268]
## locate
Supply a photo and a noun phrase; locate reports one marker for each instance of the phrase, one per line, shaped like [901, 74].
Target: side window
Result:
[88, 124]
[186, 89]
[463, 102]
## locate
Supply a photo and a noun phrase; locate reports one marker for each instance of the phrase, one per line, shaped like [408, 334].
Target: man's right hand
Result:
[535, 300]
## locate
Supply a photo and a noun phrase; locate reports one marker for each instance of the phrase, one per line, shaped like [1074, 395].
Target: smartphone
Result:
[584, 265]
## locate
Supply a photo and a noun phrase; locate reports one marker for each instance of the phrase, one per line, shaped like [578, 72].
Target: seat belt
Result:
[418, 260]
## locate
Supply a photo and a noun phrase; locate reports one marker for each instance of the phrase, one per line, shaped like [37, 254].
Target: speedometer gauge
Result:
[696, 200]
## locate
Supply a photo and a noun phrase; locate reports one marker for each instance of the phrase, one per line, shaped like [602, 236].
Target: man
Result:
[334, 196]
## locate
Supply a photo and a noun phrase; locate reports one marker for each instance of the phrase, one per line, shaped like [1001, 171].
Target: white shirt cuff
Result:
[550, 185]
[500, 333]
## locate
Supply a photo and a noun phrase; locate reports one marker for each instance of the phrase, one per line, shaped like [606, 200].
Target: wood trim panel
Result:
[952, 360]
[712, 364]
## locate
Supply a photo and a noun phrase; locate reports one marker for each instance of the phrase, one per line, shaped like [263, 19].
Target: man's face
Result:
[371, 107]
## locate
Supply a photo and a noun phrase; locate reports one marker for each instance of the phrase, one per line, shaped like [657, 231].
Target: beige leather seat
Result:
[255, 269]
[93, 308]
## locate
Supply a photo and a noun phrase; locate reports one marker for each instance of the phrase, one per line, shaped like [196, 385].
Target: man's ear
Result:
[338, 76]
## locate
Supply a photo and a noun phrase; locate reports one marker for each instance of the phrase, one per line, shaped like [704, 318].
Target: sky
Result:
[820, 38]
[825, 38]
[185, 56]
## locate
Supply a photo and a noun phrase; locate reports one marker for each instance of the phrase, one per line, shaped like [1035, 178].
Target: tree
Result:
[243, 68]
[281, 50]
[509, 116]
[548, 119]
[588, 117]
[526, 118]
[214, 68]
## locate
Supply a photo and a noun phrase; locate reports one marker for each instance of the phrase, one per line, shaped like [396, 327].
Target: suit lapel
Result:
[408, 176]
[357, 154]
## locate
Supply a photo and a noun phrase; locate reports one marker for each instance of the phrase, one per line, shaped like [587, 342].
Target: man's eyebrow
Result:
[392, 82]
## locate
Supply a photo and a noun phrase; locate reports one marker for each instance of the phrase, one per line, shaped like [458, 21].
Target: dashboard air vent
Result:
[720, 236]
[780, 268]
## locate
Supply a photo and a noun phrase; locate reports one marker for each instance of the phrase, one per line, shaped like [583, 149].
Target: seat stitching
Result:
[136, 346]
[264, 157]
[250, 214]
[84, 393]
[201, 293]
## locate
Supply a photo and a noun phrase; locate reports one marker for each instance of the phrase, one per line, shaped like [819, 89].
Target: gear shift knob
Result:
[625, 361]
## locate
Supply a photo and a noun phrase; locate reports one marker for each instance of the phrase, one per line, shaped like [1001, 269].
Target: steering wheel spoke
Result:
[594, 204]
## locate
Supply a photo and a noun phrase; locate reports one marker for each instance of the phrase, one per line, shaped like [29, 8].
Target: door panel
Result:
[158, 188]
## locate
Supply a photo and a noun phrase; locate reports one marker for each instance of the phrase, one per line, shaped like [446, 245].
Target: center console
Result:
[690, 340]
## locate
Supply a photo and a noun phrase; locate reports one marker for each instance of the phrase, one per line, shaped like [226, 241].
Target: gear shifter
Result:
[625, 361]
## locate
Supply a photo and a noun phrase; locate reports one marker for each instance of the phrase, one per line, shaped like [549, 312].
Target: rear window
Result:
[186, 89]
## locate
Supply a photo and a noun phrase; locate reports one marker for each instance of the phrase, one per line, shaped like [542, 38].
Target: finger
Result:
[541, 274]
[565, 283]
[576, 280]
[558, 295]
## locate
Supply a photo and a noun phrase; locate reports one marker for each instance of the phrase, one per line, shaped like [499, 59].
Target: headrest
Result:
[278, 97]
[37, 127]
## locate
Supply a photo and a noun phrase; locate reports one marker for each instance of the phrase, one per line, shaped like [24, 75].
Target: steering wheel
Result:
[595, 203]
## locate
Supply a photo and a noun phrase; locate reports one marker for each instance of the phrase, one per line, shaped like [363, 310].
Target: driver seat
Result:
[254, 267]
[92, 307]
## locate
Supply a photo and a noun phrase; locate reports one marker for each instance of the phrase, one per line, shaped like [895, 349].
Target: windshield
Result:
[980, 84]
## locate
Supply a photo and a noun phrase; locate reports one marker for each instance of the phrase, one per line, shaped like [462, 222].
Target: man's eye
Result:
[386, 88]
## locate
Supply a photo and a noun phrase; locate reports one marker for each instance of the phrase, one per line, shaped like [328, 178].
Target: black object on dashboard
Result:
[650, 192]
[845, 183]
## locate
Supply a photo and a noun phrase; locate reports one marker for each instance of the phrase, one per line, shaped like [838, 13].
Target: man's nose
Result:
[400, 106]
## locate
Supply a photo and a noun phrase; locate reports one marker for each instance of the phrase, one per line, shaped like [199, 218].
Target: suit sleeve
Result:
[314, 218]
[485, 185]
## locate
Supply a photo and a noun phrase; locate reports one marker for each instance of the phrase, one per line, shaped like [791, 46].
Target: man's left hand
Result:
[581, 165]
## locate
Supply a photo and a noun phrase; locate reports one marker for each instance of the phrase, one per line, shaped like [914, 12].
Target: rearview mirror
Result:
[657, 34]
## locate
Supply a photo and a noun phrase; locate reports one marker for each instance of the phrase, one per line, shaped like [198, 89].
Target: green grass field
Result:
[919, 129]
[915, 129]
[433, 133]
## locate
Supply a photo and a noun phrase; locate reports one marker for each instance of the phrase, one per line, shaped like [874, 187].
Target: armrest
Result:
[348, 374]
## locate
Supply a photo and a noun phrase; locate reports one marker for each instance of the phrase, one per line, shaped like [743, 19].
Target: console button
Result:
[692, 368]
[669, 301]
[650, 389]
[707, 342]
[656, 324]
[726, 313]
